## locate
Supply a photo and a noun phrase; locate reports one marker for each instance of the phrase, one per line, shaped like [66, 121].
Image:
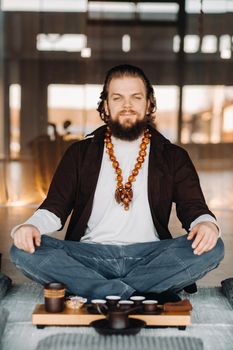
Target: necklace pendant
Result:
[130, 193]
[118, 194]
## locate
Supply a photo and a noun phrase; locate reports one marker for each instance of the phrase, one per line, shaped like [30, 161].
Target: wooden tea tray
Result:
[82, 317]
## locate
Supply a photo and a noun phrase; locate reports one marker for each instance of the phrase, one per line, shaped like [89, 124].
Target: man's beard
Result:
[127, 133]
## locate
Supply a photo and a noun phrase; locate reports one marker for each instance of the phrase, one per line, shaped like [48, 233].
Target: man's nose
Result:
[127, 103]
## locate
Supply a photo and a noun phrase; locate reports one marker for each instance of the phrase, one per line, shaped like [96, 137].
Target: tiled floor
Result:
[218, 189]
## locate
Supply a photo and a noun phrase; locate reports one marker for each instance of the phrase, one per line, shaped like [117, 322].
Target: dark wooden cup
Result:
[125, 304]
[150, 305]
[54, 297]
[137, 299]
[112, 301]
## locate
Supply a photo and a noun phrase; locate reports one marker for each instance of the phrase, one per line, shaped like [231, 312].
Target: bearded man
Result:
[119, 183]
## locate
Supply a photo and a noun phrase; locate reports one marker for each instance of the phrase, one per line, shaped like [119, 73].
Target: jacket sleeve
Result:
[62, 191]
[187, 193]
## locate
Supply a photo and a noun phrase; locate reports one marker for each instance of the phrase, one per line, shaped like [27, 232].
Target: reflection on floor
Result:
[18, 184]
[217, 186]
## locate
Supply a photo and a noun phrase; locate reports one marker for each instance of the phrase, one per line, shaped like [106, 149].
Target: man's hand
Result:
[206, 237]
[27, 237]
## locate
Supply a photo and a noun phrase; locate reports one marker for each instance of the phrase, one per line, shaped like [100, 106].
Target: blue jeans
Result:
[95, 270]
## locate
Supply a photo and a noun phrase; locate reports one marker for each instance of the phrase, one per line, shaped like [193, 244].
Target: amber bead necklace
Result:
[124, 193]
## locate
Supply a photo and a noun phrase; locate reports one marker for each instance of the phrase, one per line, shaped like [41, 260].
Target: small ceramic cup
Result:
[98, 301]
[150, 305]
[112, 301]
[125, 304]
[99, 305]
[137, 299]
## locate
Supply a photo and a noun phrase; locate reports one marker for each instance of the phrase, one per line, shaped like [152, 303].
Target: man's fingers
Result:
[29, 247]
[197, 240]
[192, 233]
[26, 238]
[203, 246]
[37, 242]
[206, 237]
[18, 240]
[206, 244]
[26, 243]
[37, 238]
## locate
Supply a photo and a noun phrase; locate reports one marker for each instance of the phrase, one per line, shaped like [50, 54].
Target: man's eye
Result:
[138, 97]
[116, 98]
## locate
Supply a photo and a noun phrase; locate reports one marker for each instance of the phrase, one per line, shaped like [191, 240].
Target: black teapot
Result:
[116, 314]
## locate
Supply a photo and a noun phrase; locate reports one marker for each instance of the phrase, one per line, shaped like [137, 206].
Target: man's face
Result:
[127, 105]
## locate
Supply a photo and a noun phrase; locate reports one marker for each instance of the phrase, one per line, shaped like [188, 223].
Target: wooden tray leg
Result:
[40, 326]
[182, 328]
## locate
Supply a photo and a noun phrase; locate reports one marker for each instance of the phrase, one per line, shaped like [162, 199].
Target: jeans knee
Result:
[17, 255]
[13, 253]
[219, 251]
[215, 255]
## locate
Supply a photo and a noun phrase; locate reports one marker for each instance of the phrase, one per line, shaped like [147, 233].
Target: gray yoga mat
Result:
[227, 289]
[5, 285]
[96, 342]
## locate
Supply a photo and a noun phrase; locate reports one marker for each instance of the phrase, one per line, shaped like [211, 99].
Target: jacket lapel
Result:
[155, 172]
[92, 164]
[157, 176]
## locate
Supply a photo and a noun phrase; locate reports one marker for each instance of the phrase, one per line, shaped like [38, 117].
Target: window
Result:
[207, 114]
[15, 106]
[72, 109]
[166, 115]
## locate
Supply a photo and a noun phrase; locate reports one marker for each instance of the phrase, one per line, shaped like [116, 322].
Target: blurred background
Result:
[54, 55]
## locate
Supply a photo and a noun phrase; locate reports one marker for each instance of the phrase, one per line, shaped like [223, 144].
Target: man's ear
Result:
[106, 107]
[148, 106]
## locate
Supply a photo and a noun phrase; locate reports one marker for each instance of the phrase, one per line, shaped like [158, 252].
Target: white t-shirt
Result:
[109, 221]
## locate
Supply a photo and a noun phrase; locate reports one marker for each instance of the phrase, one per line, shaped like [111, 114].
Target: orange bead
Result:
[109, 145]
[138, 166]
[142, 153]
[112, 158]
[140, 159]
[131, 178]
[143, 146]
[128, 185]
[118, 171]
[135, 172]
[115, 164]
[119, 178]
[146, 140]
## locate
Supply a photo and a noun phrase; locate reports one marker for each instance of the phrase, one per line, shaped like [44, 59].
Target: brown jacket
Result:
[171, 178]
